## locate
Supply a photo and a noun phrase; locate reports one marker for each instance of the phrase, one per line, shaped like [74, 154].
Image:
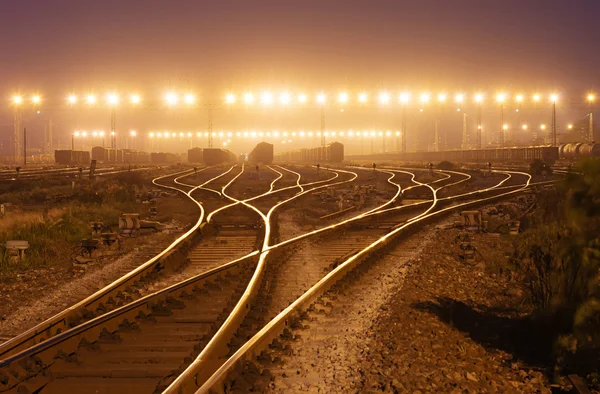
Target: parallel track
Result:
[210, 317]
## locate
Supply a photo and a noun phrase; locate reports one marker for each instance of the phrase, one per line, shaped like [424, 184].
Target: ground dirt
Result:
[427, 322]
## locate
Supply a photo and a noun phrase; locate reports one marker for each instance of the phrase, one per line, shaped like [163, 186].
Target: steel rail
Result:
[210, 216]
[204, 365]
[272, 330]
[45, 352]
[62, 320]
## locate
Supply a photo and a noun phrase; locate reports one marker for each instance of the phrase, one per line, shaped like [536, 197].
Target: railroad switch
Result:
[513, 227]
[109, 239]
[96, 228]
[468, 252]
[129, 224]
[86, 246]
[472, 221]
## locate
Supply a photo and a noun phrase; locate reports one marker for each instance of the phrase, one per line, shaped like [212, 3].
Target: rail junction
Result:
[232, 287]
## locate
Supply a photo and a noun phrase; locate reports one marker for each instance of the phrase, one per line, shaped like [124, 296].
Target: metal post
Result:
[554, 123]
[113, 128]
[436, 138]
[501, 126]
[25, 147]
[50, 147]
[323, 140]
[465, 135]
[403, 131]
[17, 133]
[591, 129]
[479, 126]
[210, 125]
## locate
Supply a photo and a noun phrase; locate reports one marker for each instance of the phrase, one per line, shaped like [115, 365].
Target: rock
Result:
[514, 293]
[471, 377]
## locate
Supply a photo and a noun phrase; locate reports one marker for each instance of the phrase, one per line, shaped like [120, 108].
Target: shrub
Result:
[445, 165]
[560, 260]
[539, 167]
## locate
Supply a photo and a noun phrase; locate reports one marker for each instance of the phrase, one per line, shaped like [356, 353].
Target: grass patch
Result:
[54, 218]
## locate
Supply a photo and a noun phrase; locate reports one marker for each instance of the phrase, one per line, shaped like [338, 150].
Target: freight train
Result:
[548, 154]
[578, 150]
[109, 155]
[332, 153]
[69, 157]
[211, 156]
[261, 154]
[164, 158]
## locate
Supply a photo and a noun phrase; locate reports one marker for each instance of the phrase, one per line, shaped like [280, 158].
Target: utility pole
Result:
[591, 129]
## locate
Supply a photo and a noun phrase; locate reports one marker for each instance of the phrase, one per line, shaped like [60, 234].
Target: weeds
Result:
[559, 257]
[64, 218]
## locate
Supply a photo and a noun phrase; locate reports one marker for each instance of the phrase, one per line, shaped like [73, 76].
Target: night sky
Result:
[59, 46]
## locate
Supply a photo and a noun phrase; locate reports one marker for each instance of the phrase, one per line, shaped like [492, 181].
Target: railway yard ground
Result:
[283, 278]
[421, 320]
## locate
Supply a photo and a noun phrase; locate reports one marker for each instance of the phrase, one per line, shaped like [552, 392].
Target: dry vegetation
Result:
[54, 217]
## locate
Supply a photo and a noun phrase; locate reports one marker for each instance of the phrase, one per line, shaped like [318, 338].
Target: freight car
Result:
[164, 158]
[578, 150]
[332, 153]
[261, 154]
[216, 156]
[517, 155]
[110, 155]
[71, 157]
[100, 154]
[195, 155]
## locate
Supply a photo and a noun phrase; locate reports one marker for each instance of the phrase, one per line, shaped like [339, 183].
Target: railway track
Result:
[173, 339]
[239, 367]
[36, 174]
[79, 332]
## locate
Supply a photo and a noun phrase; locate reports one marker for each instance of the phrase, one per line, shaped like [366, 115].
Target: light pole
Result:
[132, 134]
[590, 136]
[404, 98]
[553, 99]
[500, 98]
[17, 102]
[543, 130]
[321, 99]
[479, 101]
[436, 134]
[19, 132]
